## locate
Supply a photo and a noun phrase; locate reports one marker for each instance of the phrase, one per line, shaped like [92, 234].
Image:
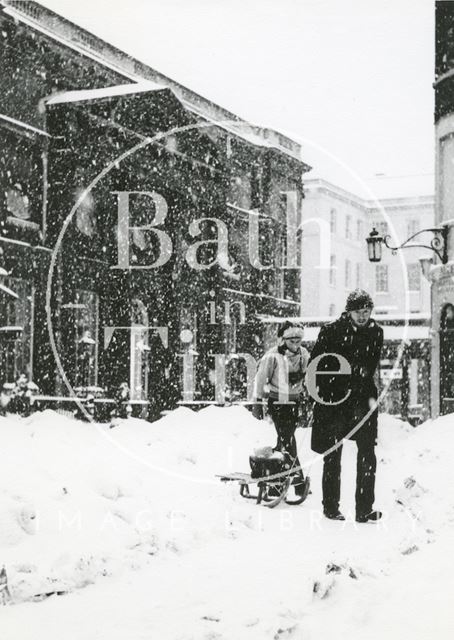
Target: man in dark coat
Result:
[346, 402]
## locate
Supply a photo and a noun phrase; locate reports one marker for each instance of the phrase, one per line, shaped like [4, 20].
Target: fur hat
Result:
[290, 330]
[359, 299]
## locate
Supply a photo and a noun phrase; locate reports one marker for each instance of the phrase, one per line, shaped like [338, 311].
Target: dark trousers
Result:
[366, 465]
[285, 418]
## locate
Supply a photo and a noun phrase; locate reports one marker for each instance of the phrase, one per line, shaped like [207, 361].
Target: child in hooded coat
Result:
[280, 379]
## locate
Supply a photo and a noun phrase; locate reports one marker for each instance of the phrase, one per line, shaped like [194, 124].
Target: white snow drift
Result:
[136, 516]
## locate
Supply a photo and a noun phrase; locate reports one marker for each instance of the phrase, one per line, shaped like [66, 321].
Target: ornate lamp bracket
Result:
[438, 244]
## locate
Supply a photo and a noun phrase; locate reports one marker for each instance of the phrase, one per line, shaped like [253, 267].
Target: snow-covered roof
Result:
[370, 189]
[256, 135]
[390, 187]
[85, 43]
[239, 129]
[105, 92]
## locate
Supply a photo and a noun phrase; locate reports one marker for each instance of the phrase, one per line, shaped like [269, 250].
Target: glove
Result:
[257, 409]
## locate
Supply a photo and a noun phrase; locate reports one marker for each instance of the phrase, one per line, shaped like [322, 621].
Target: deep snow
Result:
[146, 543]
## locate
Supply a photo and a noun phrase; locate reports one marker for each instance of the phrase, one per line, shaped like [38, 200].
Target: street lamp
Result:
[438, 244]
[374, 248]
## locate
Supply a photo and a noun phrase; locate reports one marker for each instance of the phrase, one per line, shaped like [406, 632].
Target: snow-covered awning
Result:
[390, 333]
[398, 319]
[261, 295]
[420, 332]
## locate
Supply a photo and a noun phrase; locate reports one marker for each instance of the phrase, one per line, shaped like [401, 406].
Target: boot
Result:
[333, 515]
[299, 484]
[373, 516]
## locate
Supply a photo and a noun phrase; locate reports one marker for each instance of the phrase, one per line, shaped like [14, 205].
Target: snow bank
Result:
[79, 501]
[83, 505]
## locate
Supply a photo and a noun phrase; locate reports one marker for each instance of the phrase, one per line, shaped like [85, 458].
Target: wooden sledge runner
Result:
[279, 486]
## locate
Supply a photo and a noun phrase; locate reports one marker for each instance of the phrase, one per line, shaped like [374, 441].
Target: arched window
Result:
[447, 318]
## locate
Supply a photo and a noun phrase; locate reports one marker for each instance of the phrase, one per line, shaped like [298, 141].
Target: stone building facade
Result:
[335, 261]
[110, 176]
[442, 275]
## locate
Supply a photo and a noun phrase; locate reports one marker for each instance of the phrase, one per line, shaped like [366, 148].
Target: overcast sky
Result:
[353, 77]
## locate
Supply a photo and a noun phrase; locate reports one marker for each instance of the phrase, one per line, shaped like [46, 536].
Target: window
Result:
[240, 191]
[359, 275]
[228, 145]
[414, 277]
[171, 143]
[348, 273]
[332, 220]
[332, 270]
[86, 318]
[359, 230]
[85, 216]
[447, 176]
[140, 350]
[382, 227]
[17, 203]
[381, 278]
[16, 353]
[412, 227]
[279, 287]
[332, 309]
[348, 227]
[20, 175]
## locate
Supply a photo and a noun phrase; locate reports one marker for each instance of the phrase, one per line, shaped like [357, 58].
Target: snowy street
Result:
[168, 552]
[226, 254]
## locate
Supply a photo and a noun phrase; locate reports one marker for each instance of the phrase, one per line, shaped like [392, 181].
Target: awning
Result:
[420, 332]
[395, 333]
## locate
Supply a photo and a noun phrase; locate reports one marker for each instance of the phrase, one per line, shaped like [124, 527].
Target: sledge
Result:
[271, 490]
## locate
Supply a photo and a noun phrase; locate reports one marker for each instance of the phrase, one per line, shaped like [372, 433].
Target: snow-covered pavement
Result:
[132, 525]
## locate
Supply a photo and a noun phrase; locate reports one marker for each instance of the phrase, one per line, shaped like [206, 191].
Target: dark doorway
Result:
[447, 360]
